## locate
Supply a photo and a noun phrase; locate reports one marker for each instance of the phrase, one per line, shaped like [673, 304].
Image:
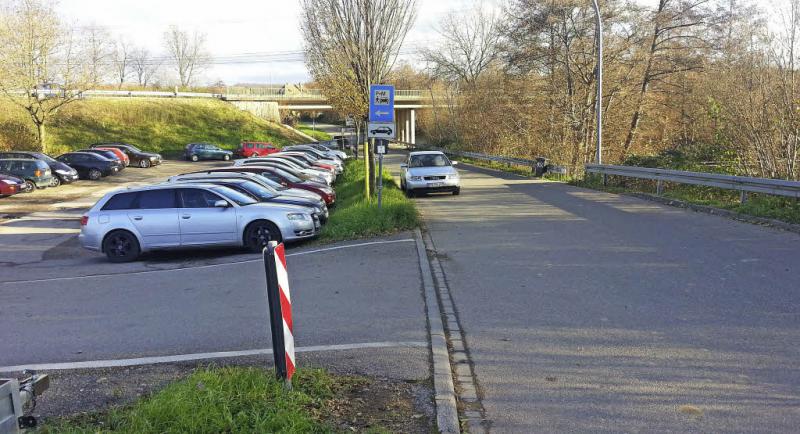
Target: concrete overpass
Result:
[407, 102]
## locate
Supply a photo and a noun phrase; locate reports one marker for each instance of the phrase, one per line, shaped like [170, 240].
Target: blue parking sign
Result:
[381, 103]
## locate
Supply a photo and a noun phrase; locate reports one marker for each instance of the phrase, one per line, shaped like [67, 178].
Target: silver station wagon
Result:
[125, 223]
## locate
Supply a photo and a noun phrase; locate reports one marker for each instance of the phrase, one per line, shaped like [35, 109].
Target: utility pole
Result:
[599, 75]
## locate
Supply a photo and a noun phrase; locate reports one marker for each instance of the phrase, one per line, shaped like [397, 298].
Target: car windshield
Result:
[274, 185]
[257, 190]
[429, 160]
[288, 176]
[241, 199]
[44, 157]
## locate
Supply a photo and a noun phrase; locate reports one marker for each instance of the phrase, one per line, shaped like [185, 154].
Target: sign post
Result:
[280, 312]
[381, 125]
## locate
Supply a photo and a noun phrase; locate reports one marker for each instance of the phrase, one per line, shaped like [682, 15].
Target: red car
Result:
[11, 185]
[286, 179]
[118, 152]
[249, 149]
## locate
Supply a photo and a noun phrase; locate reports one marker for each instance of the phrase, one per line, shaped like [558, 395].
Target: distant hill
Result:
[157, 124]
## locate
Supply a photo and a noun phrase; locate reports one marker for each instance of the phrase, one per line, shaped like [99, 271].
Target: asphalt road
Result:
[593, 312]
[216, 306]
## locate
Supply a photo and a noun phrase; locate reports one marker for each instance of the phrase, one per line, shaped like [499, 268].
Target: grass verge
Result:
[163, 125]
[317, 134]
[250, 400]
[355, 217]
[757, 205]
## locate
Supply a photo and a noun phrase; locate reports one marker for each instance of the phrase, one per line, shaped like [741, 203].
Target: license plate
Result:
[436, 184]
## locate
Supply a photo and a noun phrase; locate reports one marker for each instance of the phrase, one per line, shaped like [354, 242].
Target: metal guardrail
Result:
[742, 184]
[538, 166]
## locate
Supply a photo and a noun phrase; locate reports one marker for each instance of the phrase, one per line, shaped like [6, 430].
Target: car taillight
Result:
[84, 220]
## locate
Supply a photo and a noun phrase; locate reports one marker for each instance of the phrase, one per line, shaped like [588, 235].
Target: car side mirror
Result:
[404, 166]
[455, 163]
[221, 204]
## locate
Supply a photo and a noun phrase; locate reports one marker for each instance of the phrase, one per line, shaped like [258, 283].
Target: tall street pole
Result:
[599, 108]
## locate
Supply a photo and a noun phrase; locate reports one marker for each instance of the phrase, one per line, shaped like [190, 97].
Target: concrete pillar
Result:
[400, 129]
[413, 135]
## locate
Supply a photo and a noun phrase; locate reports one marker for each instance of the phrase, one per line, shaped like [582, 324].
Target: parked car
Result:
[278, 187]
[429, 172]
[11, 185]
[328, 175]
[249, 149]
[108, 154]
[286, 179]
[126, 161]
[63, 174]
[258, 191]
[334, 165]
[35, 173]
[136, 156]
[125, 223]
[206, 151]
[90, 165]
[318, 150]
[287, 166]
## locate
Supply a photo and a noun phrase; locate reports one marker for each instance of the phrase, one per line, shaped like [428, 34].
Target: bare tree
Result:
[122, 61]
[144, 66]
[676, 34]
[351, 44]
[42, 65]
[99, 51]
[188, 52]
[470, 45]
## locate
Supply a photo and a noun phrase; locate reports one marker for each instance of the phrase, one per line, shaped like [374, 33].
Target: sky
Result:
[233, 28]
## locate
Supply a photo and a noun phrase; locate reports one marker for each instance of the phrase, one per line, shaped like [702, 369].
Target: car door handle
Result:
[186, 216]
[138, 217]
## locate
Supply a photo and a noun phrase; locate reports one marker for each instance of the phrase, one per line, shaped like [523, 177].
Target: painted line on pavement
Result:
[90, 276]
[116, 363]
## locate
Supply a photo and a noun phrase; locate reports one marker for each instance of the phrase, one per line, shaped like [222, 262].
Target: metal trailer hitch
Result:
[18, 400]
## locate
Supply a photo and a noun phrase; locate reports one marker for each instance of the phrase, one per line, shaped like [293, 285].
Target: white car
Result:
[429, 172]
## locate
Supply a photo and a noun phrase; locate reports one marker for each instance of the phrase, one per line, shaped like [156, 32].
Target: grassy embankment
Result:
[157, 125]
[317, 134]
[231, 400]
[355, 217]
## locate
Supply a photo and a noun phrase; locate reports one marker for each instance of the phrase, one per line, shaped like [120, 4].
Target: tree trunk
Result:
[40, 135]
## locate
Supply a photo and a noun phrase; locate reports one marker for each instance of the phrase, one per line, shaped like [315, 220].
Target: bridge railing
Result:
[743, 184]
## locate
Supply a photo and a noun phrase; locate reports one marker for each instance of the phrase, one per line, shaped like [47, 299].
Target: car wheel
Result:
[226, 157]
[29, 186]
[144, 164]
[409, 193]
[259, 233]
[121, 246]
[194, 158]
[95, 174]
[456, 192]
[55, 182]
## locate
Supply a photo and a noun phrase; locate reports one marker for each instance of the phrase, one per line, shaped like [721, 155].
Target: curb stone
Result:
[444, 390]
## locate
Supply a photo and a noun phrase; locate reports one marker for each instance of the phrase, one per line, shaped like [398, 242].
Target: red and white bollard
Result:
[280, 310]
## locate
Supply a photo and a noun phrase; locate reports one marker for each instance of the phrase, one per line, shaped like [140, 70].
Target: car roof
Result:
[426, 153]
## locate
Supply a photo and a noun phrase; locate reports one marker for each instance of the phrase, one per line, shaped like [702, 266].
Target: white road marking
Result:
[115, 363]
[91, 276]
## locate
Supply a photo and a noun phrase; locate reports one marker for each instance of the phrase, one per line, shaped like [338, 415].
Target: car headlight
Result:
[153, 158]
[453, 176]
[298, 216]
[63, 172]
[416, 178]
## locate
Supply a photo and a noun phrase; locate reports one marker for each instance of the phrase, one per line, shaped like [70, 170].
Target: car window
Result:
[257, 190]
[121, 201]
[250, 146]
[157, 199]
[428, 160]
[197, 198]
[288, 176]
